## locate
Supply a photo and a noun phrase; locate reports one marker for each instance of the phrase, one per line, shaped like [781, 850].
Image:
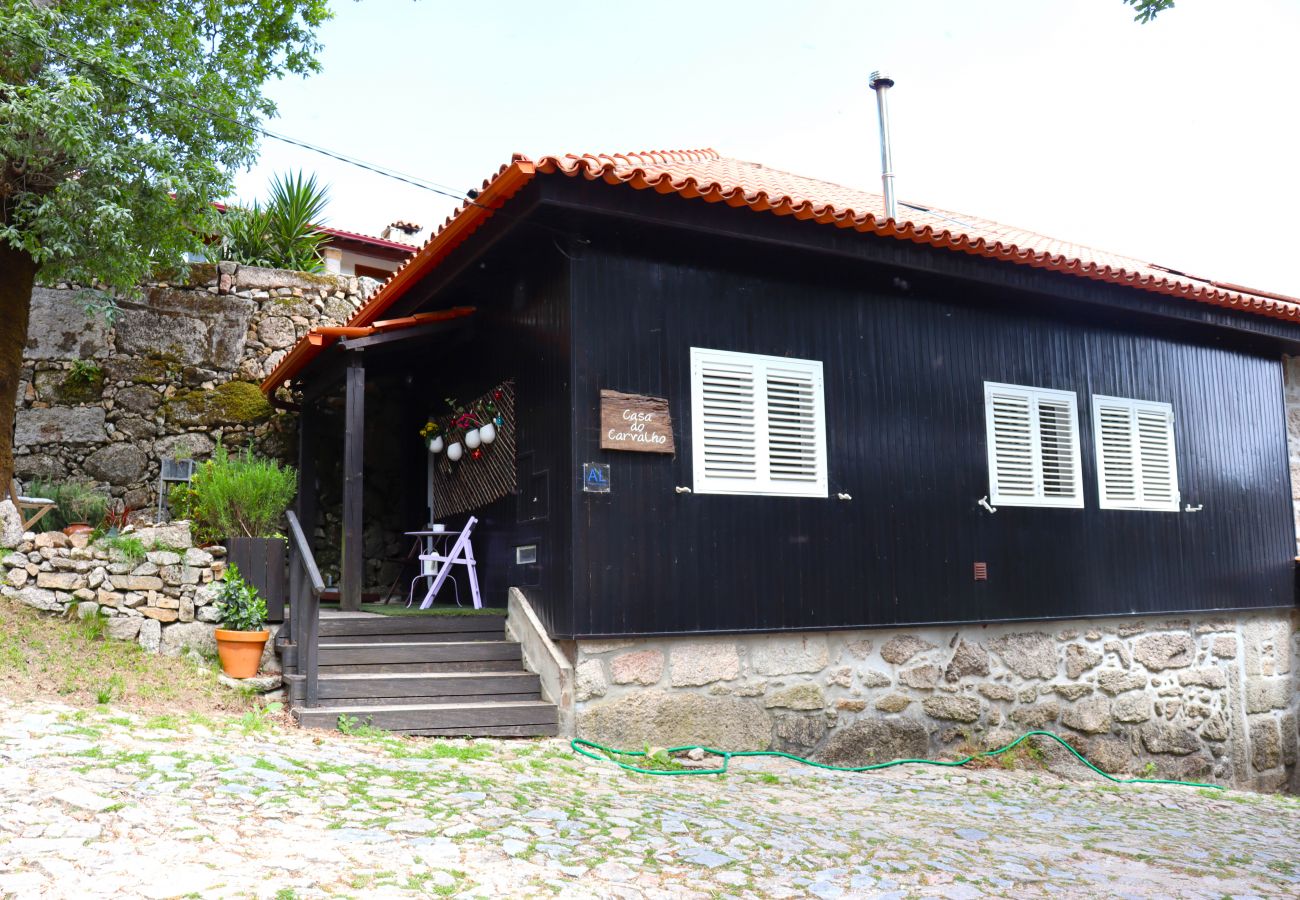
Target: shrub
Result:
[74, 501]
[239, 605]
[238, 496]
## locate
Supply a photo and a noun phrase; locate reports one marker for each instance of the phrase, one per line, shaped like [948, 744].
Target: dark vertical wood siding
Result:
[904, 370]
[520, 331]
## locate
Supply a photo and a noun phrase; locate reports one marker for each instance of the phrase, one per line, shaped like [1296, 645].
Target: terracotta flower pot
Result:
[240, 651]
[78, 528]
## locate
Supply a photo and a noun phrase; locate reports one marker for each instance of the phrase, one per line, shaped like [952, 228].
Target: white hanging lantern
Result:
[488, 433]
[454, 451]
[472, 439]
[435, 444]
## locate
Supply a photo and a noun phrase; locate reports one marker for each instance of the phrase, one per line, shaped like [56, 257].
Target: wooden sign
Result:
[634, 422]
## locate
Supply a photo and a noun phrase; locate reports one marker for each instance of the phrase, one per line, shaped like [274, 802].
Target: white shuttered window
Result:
[1136, 466]
[1033, 445]
[758, 424]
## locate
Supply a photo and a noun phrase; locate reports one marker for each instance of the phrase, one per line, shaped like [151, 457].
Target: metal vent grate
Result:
[981, 571]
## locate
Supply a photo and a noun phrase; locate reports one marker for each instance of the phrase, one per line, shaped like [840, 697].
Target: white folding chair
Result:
[461, 554]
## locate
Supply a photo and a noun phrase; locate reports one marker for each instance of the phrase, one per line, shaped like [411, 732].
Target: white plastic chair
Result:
[461, 554]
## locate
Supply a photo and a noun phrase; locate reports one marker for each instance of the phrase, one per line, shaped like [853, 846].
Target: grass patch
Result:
[400, 609]
[43, 656]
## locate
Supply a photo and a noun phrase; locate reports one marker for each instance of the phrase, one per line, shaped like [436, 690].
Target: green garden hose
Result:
[592, 750]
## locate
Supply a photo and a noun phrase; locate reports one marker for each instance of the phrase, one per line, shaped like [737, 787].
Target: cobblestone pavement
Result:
[96, 804]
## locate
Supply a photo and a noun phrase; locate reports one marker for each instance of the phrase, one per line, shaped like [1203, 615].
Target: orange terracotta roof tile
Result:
[705, 175]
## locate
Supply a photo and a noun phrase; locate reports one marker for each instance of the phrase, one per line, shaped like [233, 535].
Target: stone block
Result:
[150, 635]
[997, 691]
[120, 464]
[1079, 659]
[1262, 694]
[797, 734]
[697, 662]
[174, 536]
[162, 558]
[1267, 646]
[190, 445]
[141, 400]
[1207, 676]
[846, 704]
[666, 718]
[1265, 743]
[1132, 707]
[641, 667]
[1224, 647]
[923, 677]
[60, 327]
[1089, 716]
[798, 696]
[968, 659]
[123, 628]
[159, 614]
[17, 577]
[788, 655]
[59, 425]
[60, 581]
[869, 741]
[1165, 651]
[1029, 654]
[892, 703]
[37, 598]
[873, 678]
[1162, 737]
[955, 709]
[1118, 681]
[903, 647]
[1071, 691]
[192, 636]
[137, 583]
[859, 648]
[194, 328]
[1110, 754]
[1037, 716]
[589, 679]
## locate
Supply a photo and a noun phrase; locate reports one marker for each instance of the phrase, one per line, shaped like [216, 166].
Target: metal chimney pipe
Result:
[881, 83]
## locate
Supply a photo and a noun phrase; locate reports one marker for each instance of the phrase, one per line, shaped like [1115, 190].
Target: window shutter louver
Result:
[758, 424]
[1137, 468]
[1033, 446]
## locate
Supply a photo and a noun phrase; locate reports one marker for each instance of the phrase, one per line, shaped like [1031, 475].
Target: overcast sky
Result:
[1175, 142]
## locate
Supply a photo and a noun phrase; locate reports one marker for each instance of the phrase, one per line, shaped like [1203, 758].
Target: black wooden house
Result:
[873, 422]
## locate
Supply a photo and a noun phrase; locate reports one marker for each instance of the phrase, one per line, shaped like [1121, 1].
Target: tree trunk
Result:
[17, 275]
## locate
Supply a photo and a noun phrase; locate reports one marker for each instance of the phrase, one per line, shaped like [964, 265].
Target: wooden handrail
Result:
[304, 550]
[305, 588]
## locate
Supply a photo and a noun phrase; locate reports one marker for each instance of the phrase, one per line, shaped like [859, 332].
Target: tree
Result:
[1147, 10]
[120, 123]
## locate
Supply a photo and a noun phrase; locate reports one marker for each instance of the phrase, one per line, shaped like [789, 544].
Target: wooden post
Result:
[308, 440]
[354, 444]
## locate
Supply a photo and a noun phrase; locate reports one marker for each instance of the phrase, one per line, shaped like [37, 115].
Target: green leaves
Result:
[239, 496]
[239, 605]
[1147, 10]
[120, 123]
[280, 234]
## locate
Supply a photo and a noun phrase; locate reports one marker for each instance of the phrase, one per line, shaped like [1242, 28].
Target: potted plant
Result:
[240, 500]
[243, 634]
[78, 506]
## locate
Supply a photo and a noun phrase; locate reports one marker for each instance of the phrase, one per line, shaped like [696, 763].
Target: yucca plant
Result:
[282, 234]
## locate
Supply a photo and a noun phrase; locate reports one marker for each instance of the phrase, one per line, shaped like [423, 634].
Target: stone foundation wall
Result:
[164, 602]
[174, 373]
[1205, 697]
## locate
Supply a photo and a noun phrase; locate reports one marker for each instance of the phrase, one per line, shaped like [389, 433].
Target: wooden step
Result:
[351, 654]
[426, 684]
[469, 665]
[404, 626]
[487, 718]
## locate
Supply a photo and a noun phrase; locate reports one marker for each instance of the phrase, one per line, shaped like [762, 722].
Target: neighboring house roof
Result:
[369, 244]
[706, 175]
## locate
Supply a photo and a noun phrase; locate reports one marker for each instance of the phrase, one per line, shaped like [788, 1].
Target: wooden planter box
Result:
[261, 562]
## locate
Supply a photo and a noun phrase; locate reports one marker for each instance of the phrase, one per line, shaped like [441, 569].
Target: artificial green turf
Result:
[400, 609]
